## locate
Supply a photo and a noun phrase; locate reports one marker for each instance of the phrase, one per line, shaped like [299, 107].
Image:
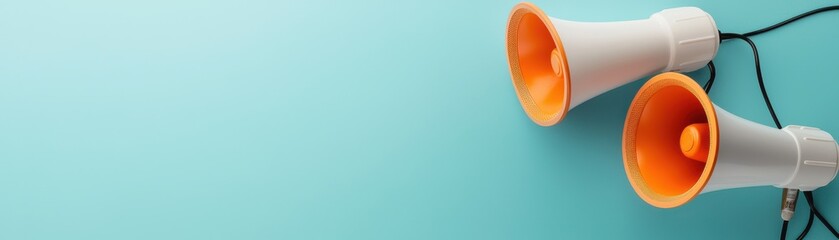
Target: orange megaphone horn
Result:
[558, 64]
[678, 144]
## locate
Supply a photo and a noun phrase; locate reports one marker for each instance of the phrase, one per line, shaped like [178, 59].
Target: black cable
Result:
[725, 36]
[806, 228]
[793, 19]
[713, 76]
[784, 230]
[809, 196]
[745, 37]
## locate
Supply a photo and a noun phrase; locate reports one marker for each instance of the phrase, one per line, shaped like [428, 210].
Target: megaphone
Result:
[558, 64]
[678, 144]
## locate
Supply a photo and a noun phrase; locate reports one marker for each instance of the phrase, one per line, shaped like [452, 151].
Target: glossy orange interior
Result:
[658, 169]
[539, 76]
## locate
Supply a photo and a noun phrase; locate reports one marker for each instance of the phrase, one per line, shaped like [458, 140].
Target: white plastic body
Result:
[751, 154]
[602, 56]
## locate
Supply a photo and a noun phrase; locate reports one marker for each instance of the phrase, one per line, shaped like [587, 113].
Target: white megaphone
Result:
[557, 64]
[678, 144]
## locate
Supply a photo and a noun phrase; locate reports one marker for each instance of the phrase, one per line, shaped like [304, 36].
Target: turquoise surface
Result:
[354, 120]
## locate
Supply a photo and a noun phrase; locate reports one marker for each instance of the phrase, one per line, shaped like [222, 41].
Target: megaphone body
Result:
[677, 144]
[558, 64]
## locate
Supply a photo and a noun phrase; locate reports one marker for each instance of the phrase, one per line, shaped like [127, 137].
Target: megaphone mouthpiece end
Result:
[556, 62]
[695, 141]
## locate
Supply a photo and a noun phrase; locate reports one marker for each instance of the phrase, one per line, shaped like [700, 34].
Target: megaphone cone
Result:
[558, 64]
[678, 144]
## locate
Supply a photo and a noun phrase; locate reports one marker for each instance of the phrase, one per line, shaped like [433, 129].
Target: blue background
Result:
[354, 120]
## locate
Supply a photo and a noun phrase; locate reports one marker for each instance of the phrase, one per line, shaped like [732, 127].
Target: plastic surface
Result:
[558, 64]
[606, 55]
[817, 158]
[753, 154]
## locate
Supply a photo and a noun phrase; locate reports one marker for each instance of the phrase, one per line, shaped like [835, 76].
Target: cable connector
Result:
[789, 199]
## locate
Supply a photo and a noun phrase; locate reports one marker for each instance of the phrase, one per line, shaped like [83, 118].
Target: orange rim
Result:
[538, 65]
[653, 159]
